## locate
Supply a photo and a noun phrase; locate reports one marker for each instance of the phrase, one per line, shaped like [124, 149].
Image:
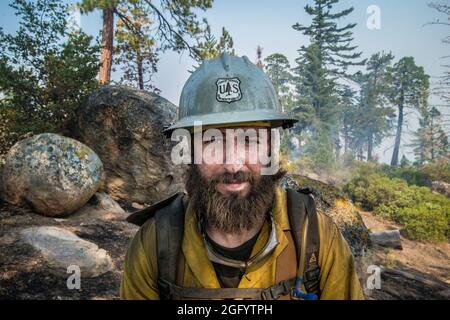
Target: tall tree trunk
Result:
[107, 46]
[432, 135]
[140, 70]
[398, 136]
[360, 155]
[346, 138]
[369, 146]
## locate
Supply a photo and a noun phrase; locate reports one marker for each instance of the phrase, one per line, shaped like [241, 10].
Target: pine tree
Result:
[228, 88]
[408, 88]
[135, 49]
[108, 8]
[373, 121]
[328, 56]
[277, 68]
[404, 162]
[316, 98]
[208, 47]
[430, 142]
[333, 42]
[173, 32]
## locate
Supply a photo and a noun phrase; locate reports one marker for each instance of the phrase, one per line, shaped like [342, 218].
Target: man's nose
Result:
[233, 168]
[235, 157]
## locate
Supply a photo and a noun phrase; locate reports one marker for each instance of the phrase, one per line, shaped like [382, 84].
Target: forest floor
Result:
[24, 273]
[424, 268]
[419, 271]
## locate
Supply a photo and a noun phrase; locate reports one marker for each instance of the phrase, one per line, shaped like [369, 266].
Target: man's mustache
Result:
[233, 177]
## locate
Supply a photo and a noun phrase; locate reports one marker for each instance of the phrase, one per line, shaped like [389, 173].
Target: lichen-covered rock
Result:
[56, 175]
[100, 206]
[63, 249]
[124, 126]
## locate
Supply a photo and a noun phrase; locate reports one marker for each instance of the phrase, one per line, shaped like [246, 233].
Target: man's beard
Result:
[231, 213]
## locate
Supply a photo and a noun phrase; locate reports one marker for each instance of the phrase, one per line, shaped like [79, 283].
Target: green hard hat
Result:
[228, 90]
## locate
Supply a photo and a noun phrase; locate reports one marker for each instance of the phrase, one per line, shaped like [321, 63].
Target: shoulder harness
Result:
[169, 219]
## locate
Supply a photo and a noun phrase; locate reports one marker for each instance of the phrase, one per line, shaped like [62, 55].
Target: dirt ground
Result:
[424, 267]
[24, 274]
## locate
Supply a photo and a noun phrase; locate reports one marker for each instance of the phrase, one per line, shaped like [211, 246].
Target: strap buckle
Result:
[276, 291]
[268, 294]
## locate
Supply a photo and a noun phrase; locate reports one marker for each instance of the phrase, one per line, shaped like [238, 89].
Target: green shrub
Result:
[422, 214]
[412, 175]
[420, 176]
[438, 170]
[426, 221]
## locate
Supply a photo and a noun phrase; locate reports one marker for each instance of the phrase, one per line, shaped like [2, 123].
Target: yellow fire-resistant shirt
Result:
[338, 278]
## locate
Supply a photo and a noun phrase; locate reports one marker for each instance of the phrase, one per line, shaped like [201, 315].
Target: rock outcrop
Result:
[56, 175]
[63, 251]
[124, 126]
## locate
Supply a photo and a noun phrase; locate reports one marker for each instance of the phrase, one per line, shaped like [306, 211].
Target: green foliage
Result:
[146, 28]
[408, 83]
[178, 22]
[431, 141]
[45, 70]
[438, 170]
[318, 105]
[316, 98]
[333, 41]
[426, 221]
[319, 149]
[412, 175]
[277, 68]
[422, 214]
[208, 47]
[135, 50]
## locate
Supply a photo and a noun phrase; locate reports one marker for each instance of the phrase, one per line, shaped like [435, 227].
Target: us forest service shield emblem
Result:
[228, 90]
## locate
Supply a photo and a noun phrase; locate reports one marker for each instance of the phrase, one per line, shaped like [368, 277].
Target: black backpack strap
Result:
[301, 205]
[169, 219]
[141, 216]
[312, 270]
[169, 236]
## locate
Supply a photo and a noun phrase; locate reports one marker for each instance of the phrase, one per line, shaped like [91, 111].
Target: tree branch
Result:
[164, 22]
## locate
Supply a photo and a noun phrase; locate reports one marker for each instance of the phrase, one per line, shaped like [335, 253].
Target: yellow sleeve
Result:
[139, 280]
[338, 277]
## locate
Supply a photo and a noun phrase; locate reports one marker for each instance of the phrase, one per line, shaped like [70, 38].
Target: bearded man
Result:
[236, 234]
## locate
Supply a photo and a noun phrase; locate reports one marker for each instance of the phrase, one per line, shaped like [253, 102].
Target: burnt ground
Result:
[24, 273]
[419, 271]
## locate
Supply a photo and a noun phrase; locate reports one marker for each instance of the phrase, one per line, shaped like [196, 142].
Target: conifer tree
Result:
[408, 88]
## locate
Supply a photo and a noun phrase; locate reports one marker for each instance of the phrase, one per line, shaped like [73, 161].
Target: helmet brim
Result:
[276, 120]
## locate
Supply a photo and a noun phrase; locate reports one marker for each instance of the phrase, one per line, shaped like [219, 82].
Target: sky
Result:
[268, 23]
